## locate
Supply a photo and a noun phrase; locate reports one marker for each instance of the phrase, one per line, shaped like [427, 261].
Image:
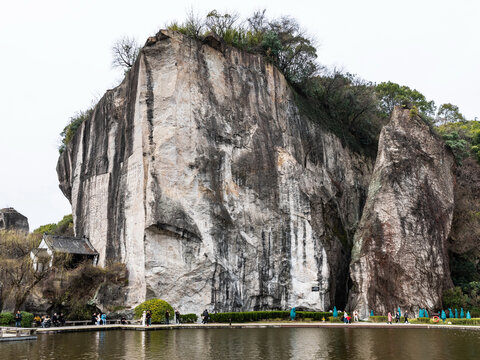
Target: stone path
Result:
[15, 334]
[254, 326]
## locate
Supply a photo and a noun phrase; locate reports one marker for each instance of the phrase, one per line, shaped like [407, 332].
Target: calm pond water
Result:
[245, 344]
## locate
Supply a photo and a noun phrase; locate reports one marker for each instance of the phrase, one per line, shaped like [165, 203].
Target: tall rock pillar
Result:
[399, 255]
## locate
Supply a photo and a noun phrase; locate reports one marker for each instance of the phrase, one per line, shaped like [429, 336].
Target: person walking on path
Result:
[104, 319]
[18, 319]
[149, 317]
[167, 317]
[397, 317]
[406, 316]
[355, 315]
[389, 318]
[177, 316]
[144, 317]
[205, 317]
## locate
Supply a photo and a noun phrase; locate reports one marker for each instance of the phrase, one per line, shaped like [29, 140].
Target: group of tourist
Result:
[47, 321]
[147, 317]
[347, 319]
[397, 317]
[99, 319]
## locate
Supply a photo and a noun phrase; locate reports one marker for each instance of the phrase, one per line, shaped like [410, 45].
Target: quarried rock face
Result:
[399, 257]
[11, 219]
[200, 173]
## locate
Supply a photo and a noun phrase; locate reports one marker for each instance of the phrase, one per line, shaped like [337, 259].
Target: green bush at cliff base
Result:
[384, 319]
[6, 318]
[378, 319]
[335, 319]
[453, 321]
[158, 308]
[473, 321]
[188, 318]
[27, 319]
[240, 317]
[422, 321]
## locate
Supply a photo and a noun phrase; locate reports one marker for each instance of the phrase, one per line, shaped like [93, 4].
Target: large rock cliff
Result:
[200, 173]
[400, 255]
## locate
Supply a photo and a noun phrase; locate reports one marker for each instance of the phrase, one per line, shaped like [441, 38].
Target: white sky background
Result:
[55, 58]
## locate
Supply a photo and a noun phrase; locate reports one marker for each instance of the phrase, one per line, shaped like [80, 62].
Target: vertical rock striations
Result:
[200, 173]
[399, 257]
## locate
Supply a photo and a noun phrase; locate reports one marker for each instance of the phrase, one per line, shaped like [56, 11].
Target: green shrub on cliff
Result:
[391, 94]
[459, 147]
[69, 131]
[463, 137]
[158, 308]
[455, 298]
[281, 40]
[346, 105]
[46, 229]
[63, 227]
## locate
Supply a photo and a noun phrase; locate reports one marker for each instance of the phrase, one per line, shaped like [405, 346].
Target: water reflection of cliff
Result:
[292, 343]
[262, 344]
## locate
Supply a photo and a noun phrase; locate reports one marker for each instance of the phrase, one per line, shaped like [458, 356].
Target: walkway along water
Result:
[251, 326]
[15, 334]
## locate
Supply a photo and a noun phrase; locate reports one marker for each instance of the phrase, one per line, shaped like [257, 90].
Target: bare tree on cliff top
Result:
[219, 23]
[125, 52]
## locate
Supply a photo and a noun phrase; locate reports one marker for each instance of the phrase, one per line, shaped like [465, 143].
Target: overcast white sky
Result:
[56, 58]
